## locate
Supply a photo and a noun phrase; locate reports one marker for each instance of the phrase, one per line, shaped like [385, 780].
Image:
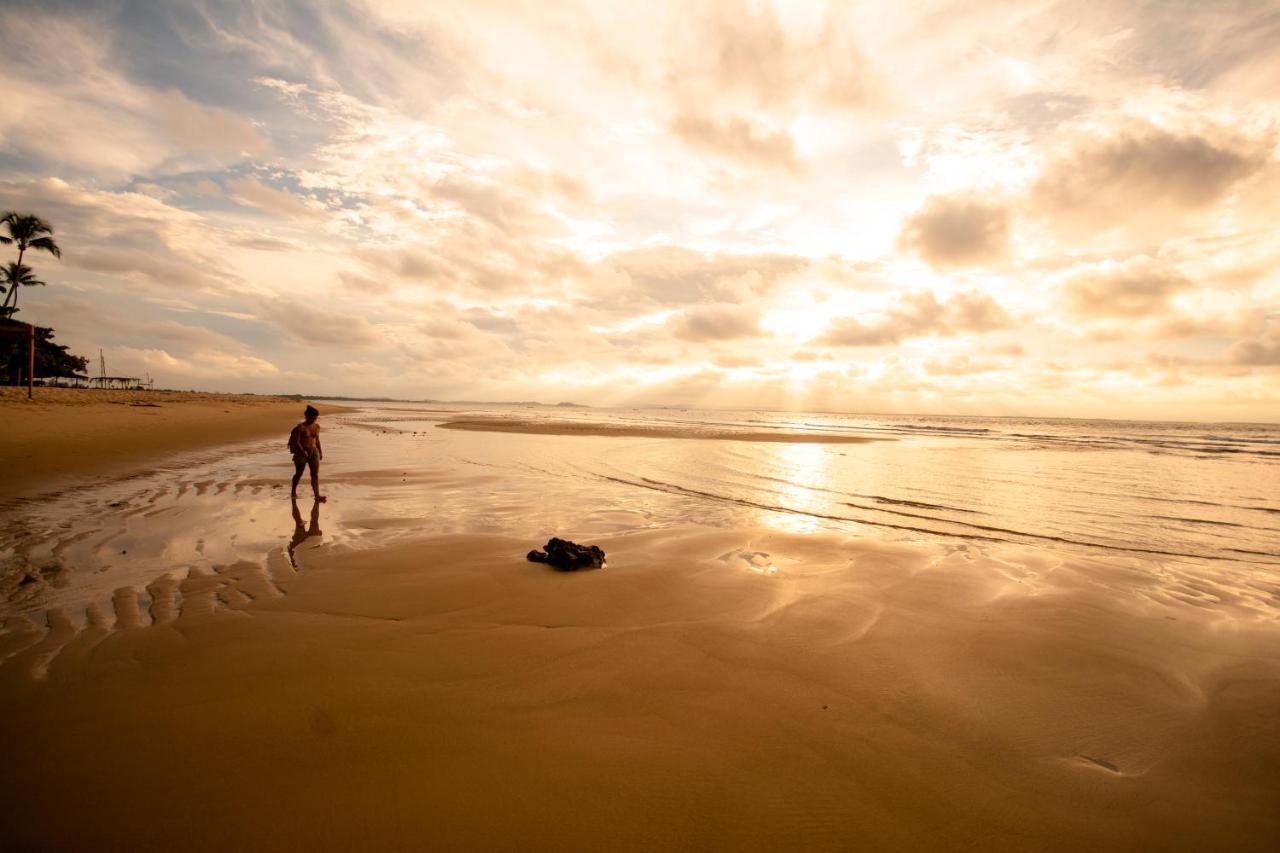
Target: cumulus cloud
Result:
[1106, 176]
[957, 231]
[716, 323]
[1137, 287]
[919, 314]
[1264, 350]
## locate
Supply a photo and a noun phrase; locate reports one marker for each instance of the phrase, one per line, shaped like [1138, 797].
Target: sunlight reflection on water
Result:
[808, 464]
[1091, 487]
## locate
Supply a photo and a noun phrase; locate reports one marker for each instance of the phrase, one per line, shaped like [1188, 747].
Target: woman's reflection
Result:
[303, 532]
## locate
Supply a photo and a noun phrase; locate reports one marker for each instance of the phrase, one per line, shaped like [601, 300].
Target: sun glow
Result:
[800, 323]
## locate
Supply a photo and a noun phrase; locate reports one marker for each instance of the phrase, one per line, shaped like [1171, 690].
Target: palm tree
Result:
[28, 231]
[13, 276]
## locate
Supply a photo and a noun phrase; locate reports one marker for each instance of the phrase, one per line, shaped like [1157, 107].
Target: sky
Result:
[1001, 208]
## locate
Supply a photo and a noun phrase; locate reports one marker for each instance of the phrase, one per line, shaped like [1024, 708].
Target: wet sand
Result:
[66, 436]
[708, 690]
[681, 431]
[369, 685]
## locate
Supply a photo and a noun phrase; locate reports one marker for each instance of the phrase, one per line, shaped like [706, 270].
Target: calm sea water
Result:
[1175, 498]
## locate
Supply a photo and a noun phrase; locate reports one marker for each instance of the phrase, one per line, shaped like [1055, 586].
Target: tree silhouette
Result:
[13, 276]
[27, 231]
[51, 359]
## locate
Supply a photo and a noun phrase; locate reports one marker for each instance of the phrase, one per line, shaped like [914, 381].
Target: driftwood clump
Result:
[563, 554]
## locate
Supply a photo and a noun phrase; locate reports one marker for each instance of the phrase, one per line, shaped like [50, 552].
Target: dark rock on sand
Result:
[563, 554]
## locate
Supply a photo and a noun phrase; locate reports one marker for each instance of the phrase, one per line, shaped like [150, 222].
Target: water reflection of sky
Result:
[392, 475]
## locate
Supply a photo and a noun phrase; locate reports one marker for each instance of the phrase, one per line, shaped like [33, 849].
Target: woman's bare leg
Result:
[315, 480]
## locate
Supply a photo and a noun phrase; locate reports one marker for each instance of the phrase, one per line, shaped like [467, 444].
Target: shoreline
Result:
[67, 437]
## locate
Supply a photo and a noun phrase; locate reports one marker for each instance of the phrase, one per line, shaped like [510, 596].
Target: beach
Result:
[67, 435]
[781, 653]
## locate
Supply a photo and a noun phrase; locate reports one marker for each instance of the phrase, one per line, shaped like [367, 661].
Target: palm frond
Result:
[25, 227]
[15, 274]
[46, 244]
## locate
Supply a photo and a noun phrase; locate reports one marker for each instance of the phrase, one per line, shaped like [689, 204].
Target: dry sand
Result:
[65, 436]
[617, 430]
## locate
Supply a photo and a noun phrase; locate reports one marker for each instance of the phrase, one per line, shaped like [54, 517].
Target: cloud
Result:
[960, 365]
[852, 332]
[364, 284]
[125, 234]
[1262, 351]
[206, 366]
[448, 329]
[80, 317]
[69, 101]
[415, 182]
[919, 315]
[737, 138]
[672, 275]
[264, 244]
[747, 52]
[513, 204]
[1107, 176]
[317, 327]
[489, 321]
[957, 231]
[276, 202]
[716, 323]
[169, 273]
[975, 311]
[193, 127]
[1137, 287]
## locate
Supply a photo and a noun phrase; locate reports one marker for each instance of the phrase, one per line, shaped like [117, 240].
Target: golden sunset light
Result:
[597, 427]
[1009, 208]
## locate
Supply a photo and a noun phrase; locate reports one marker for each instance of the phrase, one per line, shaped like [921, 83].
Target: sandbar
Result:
[690, 431]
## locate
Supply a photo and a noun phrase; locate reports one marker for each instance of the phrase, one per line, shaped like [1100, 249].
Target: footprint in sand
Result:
[754, 561]
[1098, 763]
